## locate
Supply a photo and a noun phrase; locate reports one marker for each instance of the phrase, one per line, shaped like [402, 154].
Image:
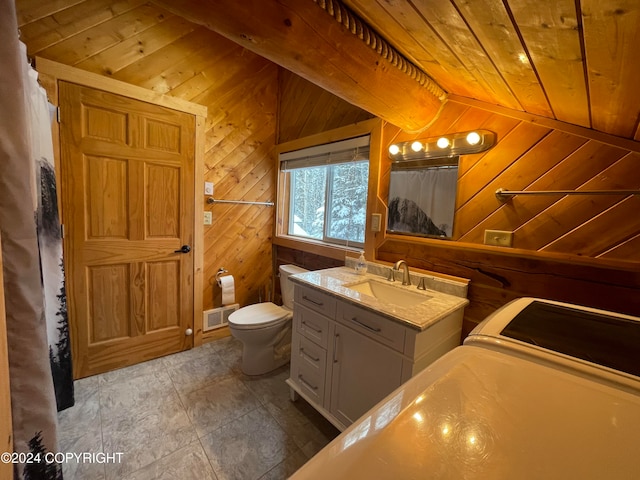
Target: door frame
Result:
[50, 72]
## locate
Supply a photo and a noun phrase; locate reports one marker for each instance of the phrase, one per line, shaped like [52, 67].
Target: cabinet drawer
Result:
[374, 326]
[308, 368]
[315, 300]
[312, 325]
[311, 354]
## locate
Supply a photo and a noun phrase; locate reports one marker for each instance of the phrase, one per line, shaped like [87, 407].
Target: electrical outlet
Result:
[499, 238]
[208, 188]
[208, 218]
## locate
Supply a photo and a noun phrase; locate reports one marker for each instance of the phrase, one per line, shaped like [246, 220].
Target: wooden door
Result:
[127, 201]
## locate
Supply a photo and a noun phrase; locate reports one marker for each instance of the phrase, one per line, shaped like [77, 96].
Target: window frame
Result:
[327, 156]
[373, 128]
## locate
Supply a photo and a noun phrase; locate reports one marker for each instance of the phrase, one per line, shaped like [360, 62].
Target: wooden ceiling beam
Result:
[304, 38]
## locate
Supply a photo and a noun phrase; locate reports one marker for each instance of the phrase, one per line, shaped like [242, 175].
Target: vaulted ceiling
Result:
[571, 60]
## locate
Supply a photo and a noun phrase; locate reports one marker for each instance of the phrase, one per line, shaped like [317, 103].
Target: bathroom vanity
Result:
[356, 338]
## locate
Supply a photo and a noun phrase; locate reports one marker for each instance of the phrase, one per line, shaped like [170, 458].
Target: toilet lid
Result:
[258, 315]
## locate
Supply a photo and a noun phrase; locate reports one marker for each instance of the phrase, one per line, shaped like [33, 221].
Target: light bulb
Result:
[416, 146]
[473, 138]
[394, 149]
[443, 142]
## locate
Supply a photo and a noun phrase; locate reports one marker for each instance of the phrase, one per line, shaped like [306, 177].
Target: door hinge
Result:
[58, 114]
[61, 230]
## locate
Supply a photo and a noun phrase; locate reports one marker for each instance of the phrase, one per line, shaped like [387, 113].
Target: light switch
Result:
[376, 221]
[208, 188]
[208, 218]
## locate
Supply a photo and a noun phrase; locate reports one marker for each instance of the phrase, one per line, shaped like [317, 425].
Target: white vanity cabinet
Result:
[345, 358]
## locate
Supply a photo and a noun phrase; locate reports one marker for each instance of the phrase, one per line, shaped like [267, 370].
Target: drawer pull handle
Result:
[317, 330]
[373, 329]
[304, 297]
[309, 356]
[305, 383]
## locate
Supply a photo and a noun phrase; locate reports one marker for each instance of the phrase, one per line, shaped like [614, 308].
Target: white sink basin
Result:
[389, 293]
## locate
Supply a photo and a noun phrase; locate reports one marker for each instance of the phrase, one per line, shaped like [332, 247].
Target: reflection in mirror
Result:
[422, 197]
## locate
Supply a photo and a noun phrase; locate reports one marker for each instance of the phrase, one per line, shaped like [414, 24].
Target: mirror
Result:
[422, 197]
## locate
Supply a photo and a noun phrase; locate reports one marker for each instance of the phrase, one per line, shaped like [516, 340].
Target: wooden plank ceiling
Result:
[571, 60]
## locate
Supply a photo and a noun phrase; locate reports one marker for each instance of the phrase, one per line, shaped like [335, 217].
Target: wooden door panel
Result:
[106, 183]
[127, 188]
[163, 295]
[109, 302]
[104, 124]
[163, 201]
[161, 136]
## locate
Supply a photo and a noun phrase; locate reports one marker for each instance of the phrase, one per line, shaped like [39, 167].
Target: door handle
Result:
[183, 249]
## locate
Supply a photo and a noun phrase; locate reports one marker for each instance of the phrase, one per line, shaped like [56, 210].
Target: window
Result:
[326, 191]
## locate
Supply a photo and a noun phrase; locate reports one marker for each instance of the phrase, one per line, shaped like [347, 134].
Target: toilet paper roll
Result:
[228, 290]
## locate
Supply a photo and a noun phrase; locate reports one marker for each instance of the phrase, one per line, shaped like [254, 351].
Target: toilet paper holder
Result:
[221, 271]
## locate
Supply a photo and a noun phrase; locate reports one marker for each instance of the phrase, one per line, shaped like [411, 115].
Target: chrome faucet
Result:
[406, 280]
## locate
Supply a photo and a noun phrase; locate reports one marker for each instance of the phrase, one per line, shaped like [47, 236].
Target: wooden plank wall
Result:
[530, 156]
[306, 109]
[577, 249]
[139, 43]
[583, 250]
[499, 276]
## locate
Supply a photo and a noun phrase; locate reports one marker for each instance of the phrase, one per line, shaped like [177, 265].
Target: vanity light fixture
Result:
[417, 146]
[443, 142]
[473, 138]
[443, 146]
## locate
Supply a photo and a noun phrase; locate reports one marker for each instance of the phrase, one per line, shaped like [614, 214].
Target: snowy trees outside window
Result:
[329, 202]
[325, 187]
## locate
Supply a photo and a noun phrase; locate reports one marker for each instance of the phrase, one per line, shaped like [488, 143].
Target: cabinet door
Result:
[363, 373]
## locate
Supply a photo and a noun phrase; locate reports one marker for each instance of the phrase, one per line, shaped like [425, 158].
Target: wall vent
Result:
[218, 317]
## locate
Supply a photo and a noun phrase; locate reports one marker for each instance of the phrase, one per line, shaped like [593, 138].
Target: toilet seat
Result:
[259, 315]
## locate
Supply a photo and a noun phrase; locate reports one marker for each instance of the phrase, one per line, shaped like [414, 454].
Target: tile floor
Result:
[192, 415]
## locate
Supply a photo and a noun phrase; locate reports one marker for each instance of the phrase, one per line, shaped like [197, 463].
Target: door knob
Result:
[183, 249]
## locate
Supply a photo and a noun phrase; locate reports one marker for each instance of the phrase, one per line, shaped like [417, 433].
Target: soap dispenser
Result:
[361, 265]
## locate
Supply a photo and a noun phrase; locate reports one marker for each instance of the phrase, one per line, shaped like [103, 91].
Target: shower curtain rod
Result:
[503, 194]
[244, 202]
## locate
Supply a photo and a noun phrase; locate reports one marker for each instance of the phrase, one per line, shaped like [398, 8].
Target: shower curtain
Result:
[49, 238]
[33, 401]
[422, 201]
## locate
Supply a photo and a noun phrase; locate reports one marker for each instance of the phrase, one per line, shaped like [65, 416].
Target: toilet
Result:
[265, 329]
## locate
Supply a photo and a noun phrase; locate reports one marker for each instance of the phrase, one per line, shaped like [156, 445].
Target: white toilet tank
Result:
[286, 287]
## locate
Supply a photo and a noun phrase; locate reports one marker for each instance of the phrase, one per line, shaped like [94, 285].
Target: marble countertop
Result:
[333, 281]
